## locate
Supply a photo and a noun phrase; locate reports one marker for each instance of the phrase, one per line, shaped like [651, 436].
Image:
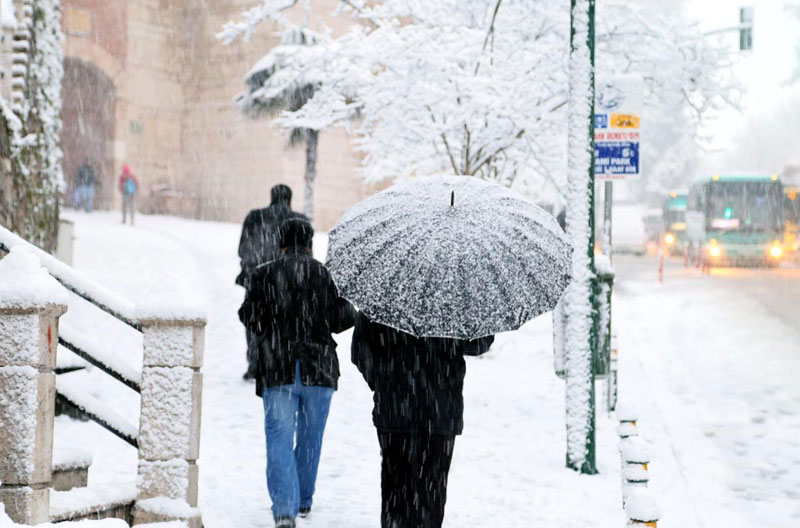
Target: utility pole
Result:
[580, 316]
[608, 203]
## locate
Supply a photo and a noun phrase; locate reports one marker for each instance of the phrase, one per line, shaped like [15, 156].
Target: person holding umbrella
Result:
[292, 305]
[419, 406]
[437, 266]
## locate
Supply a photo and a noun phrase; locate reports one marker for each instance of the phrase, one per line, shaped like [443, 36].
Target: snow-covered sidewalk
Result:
[508, 468]
[713, 370]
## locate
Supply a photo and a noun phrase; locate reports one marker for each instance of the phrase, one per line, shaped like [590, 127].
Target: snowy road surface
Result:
[716, 361]
[508, 468]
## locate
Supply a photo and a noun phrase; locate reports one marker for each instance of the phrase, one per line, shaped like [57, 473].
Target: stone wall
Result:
[175, 122]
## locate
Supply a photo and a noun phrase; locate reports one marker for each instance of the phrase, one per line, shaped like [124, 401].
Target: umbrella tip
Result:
[452, 198]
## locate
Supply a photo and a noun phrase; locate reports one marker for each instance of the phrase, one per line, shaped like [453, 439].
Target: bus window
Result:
[745, 205]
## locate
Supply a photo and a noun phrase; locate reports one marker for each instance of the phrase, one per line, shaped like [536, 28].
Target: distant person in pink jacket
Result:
[128, 186]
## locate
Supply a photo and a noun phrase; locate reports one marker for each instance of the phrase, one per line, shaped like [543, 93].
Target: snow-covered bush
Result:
[31, 176]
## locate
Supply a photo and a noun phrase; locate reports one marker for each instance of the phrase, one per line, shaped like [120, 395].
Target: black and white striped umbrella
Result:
[449, 256]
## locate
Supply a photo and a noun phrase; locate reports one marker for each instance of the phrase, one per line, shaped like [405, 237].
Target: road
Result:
[777, 290]
[713, 361]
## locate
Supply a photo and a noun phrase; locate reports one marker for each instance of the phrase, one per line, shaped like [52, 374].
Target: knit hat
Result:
[296, 232]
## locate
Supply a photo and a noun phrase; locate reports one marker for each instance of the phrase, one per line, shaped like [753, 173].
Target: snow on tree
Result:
[31, 176]
[479, 87]
[262, 99]
[687, 78]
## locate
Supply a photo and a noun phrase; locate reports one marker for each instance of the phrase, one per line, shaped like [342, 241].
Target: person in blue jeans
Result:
[293, 307]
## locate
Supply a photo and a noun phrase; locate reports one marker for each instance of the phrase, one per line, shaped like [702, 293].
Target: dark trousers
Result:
[414, 479]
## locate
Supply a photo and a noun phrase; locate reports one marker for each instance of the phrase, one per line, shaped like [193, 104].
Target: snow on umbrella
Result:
[449, 256]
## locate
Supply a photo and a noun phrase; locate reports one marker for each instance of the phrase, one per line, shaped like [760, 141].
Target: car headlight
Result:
[776, 251]
[714, 251]
[669, 238]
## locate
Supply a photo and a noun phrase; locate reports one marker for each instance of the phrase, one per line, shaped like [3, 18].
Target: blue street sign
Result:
[600, 121]
[616, 157]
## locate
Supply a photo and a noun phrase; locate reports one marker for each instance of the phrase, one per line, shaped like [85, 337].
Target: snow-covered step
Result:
[165, 524]
[162, 512]
[95, 502]
[70, 468]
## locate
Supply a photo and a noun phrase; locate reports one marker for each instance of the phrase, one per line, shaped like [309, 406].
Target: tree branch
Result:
[489, 33]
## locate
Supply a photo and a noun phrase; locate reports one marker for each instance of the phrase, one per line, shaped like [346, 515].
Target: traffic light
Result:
[746, 29]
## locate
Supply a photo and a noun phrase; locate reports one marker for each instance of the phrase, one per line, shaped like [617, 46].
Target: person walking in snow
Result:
[84, 187]
[259, 244]
[128, 186]
[418, 412]
[292, 305]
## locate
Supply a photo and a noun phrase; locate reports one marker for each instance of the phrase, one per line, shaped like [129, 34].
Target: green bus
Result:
[674, 221]
[736, 219]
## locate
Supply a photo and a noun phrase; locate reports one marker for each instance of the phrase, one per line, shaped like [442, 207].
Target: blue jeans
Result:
[294, 421]
[88, 195]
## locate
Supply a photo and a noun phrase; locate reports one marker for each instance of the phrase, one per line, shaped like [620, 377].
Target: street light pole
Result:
[580, 316]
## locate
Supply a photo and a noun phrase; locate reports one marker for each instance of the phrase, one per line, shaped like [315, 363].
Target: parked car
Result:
[628, 230]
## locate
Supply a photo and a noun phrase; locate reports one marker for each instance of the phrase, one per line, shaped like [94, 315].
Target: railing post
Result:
[169, 429]
[30, 304]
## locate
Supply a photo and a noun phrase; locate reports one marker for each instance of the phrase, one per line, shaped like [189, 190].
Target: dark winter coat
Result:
[260, 240]
[293, 306]
[417, 382]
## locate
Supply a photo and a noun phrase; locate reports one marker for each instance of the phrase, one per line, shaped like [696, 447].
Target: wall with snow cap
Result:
[169, 430]
[30, 304]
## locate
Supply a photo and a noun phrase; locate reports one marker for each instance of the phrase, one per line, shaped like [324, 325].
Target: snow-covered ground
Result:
[508, 467]
[715, 363]
[714, 373]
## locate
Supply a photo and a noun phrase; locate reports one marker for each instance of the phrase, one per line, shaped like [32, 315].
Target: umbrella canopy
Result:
[449, 256]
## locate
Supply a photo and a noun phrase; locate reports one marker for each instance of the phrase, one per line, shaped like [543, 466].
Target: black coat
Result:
[293, 307]
[260, 240]
[417, 382]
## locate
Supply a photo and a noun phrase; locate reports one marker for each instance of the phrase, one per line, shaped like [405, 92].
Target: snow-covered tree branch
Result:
[479, 87]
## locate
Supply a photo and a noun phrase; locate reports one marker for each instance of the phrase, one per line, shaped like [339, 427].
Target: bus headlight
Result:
[776, 251]
[669, 239]
[714, 251]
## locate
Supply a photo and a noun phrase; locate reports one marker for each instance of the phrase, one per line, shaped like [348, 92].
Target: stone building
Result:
[147, 83]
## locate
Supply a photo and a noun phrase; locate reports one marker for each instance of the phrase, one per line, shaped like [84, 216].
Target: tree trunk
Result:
[312, 139]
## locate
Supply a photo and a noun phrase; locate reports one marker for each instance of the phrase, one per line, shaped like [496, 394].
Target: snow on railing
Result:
[85, 348]
[101, 297]
[170, 385]
[103, 414]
